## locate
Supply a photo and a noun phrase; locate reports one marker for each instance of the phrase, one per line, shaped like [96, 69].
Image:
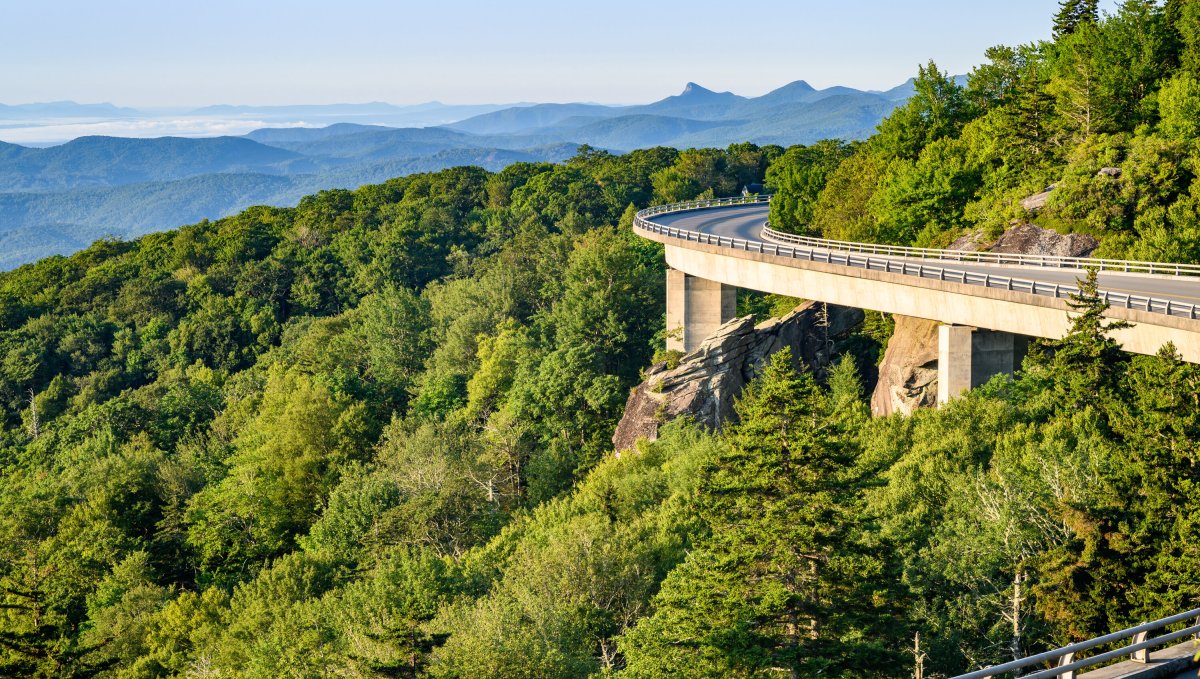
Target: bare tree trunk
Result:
[918, 657]
[1017, 600]
[34, 424]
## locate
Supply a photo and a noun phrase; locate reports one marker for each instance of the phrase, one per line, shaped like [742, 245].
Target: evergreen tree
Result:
[1088, 347]
[1183, 20]
[1077, 82]
[784, 584]
[1072, 13]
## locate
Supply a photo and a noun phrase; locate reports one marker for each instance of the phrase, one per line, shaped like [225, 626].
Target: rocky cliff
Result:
[909, 371]
[706, 382]
[908, 374]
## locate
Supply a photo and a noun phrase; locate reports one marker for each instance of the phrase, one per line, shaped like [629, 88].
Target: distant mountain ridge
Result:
[794, 113]
[110, 161]
[377, 112]
[34, 225]
[59, 198]
[64, 109]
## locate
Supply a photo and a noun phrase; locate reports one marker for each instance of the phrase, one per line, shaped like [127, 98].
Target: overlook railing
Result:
[1064, 658]
[833, 252]
[690, 205]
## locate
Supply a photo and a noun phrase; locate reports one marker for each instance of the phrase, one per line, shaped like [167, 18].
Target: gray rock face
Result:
[1027, 239]
[707, 381]
[1038, 200]
[908, 374]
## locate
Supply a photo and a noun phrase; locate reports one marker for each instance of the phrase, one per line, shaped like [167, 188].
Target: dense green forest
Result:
[368, 436]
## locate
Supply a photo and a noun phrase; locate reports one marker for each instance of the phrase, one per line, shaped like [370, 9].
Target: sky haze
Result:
[258, 52]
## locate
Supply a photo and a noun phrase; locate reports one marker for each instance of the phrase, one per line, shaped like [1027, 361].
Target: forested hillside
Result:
[368, 436]
[1118, 93]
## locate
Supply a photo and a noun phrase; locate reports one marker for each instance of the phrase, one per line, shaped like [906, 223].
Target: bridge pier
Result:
[968, 357]
[696, 307]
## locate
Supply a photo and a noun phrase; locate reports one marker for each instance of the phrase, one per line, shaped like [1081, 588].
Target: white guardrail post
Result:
[780, 242]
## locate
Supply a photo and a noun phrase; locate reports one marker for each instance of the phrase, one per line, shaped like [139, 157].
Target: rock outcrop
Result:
[1027, 239]
[908, 374]
[909, 371]
[706, 382]
[1038, 200]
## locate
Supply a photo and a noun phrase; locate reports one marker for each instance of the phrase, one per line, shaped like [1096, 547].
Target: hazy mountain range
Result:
[57, 199]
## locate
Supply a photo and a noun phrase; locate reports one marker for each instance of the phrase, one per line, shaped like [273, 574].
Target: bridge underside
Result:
[943, 301]
[985, 332]
[967, 356]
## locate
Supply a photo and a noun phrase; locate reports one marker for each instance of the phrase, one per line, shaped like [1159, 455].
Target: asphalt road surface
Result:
[746, 222]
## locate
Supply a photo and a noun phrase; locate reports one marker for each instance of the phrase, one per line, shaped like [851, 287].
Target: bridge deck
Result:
[1023, 299]
[746, 221]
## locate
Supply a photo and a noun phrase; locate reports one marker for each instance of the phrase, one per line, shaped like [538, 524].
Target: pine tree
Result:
[1088, 343]
[784, 583]
[1073, 13]
[1086, 363]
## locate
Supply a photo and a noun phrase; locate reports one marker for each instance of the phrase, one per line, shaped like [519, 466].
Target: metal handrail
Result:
[889, 265]
[1065, 656]
[1051, 261]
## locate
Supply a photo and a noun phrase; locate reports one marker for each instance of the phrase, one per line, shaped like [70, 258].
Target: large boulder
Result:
[1027, 239]
[908, 374]
[706, 383]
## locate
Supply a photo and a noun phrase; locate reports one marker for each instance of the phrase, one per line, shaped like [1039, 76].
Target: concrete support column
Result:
[954, 360]
[968, 357]
[696, 307]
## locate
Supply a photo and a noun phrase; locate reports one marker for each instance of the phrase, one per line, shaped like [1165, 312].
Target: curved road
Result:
[746, 222]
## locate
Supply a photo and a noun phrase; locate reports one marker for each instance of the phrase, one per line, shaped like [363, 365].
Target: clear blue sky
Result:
[178, 52]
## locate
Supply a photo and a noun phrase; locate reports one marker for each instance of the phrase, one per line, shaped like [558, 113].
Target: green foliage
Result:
[797, 178]
[711, 173]
[1073, 13]
[1179, 105]
[369, 435]
[207, 410]
[783, 581]
[1111, 91]
[937, 109]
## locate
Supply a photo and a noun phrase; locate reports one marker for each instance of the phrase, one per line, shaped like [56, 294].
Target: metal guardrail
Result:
[1050, 261]
[1064, 657]
[827, 252]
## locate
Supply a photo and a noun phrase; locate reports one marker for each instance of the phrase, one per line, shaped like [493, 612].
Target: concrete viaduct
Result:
[989, 304]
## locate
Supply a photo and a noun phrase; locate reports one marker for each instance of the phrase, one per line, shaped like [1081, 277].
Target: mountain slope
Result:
[631, 131]
[521, 118]
[694, 102]
[277, 135]
[36, 225]
[835, 117]
[791, 114]
[112, 161]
